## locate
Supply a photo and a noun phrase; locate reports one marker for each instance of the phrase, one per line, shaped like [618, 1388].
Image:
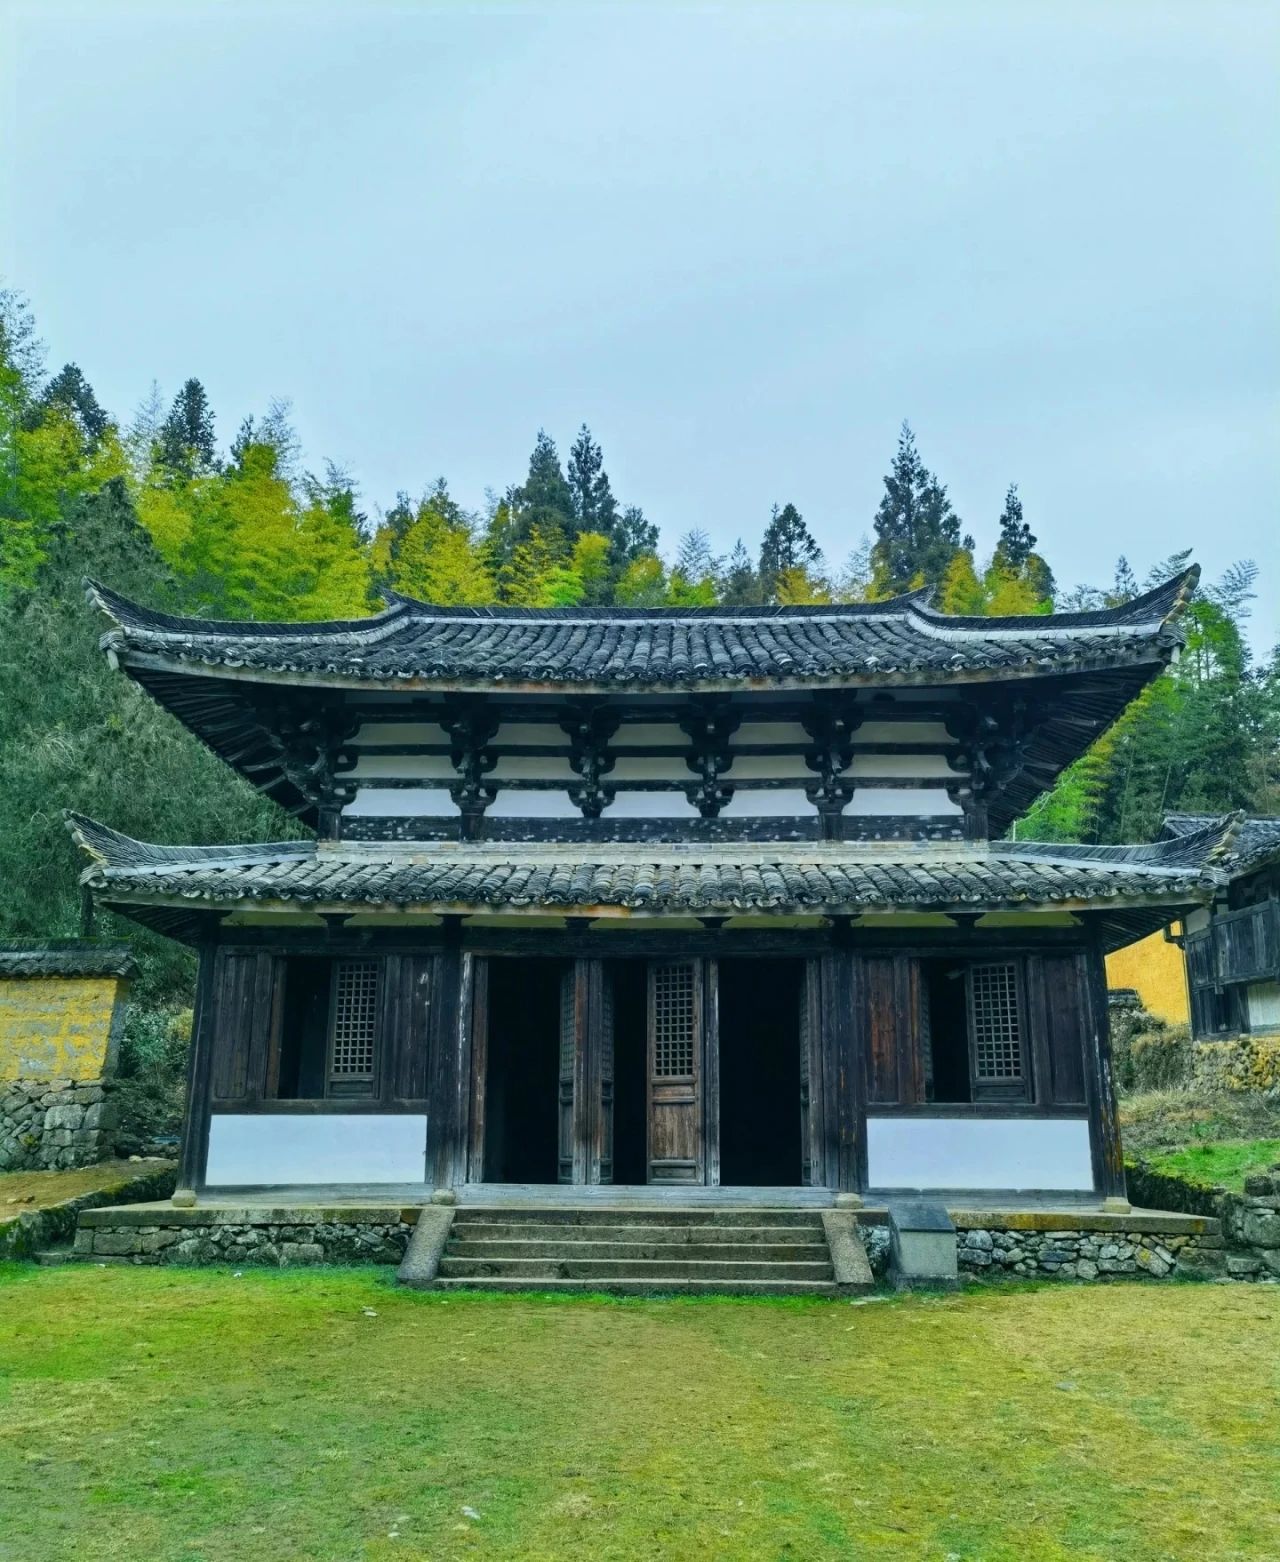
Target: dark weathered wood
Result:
[709, 1046]
[1100, 1082]
[479, 1068]
[675, 1102]
[246, 1009]
[1060, 1030]
[843, 1073]
[449, 1077]
[194, 1152]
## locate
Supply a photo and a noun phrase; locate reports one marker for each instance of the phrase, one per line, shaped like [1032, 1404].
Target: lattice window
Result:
[996, 1023]
[673, 1022]
[355, 1021]
[568, 1022]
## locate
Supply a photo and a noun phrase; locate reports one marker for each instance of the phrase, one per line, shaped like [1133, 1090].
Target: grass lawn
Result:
[38, 1189]
[1226, 1163]
[169, 1414]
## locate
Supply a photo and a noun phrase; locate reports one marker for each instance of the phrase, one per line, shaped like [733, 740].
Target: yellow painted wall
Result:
[56, 1027]
[1154, 968]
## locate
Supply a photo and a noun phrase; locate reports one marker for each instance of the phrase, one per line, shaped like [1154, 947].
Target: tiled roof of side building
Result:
[657, 878]
[1256, 839]
[655, 647]
[68, 960]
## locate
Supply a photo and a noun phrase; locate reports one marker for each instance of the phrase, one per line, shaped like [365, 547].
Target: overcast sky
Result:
[743, 243]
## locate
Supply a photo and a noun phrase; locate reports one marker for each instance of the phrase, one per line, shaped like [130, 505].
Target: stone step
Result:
[50, 1256]
[532, 1230]
[658, 1285]
[653, 1270]
[471, 1215]
[651, 1246]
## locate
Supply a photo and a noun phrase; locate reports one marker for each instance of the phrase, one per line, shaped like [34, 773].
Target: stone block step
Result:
[667, 1285]
[473, 1214]
[651, 1246]
[656, 1231]
[51, 1256]
[536, 1269]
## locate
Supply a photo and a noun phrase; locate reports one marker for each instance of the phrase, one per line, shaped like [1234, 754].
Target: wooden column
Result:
[194, 1153]
[1104, 1119]
[449, 1079]
[843, 1093]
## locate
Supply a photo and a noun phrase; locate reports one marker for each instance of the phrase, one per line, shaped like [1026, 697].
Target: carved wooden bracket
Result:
[709, 725]
[993, 753]
[471, 725]
[589, 729]
[831, 727]
[309, 751]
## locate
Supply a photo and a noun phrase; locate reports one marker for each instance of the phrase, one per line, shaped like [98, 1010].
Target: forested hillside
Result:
[157, 506]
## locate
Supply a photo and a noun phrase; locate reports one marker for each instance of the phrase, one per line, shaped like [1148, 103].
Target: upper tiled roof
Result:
[33, 960]
[411, 642]
[1257, 836]
[818, 877]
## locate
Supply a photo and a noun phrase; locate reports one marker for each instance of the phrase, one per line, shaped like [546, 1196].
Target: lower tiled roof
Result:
[32, 960]
[656, 877]
[1256, 838]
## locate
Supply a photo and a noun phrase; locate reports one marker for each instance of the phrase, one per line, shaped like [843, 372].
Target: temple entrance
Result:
[760, 1074]
[522, 1073]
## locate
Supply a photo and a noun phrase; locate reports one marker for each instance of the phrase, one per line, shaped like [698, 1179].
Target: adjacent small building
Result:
[670, 899]
[1232, 946]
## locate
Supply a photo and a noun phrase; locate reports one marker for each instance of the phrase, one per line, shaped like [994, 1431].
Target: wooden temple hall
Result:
[684, 898]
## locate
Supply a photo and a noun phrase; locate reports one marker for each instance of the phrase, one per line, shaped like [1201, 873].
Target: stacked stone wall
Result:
[50, 1124]
[244, 1237]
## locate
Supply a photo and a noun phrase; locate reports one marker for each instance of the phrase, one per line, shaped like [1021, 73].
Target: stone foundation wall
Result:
[160, 1234]
[1252, 1224]
[49, 1124]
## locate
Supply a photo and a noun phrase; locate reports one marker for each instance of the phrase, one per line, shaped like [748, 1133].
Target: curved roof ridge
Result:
[134, 615]
[110, 848]
[1157, 607]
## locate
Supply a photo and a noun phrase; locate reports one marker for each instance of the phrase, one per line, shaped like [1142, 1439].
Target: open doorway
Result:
[760, 1072]
[630, 1071]
[522, 1071]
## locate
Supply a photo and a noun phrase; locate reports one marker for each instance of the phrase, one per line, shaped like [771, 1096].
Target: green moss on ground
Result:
[158, 1413]
[1223, 1165]
[23, 1190]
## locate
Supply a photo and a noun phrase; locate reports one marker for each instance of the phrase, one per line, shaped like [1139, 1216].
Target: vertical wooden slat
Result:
[1100, 1083]
[449, 1080]
[709, 1006]
[194, 1153]
[479, 1067]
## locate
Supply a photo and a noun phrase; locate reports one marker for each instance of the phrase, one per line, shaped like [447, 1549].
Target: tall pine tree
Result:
[1017, 541]
[787, 545]
[917, 531]
[186, 435]
[594, 507]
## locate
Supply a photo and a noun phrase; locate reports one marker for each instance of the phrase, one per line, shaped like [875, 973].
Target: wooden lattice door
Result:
[585, 1098]
[683, 1095]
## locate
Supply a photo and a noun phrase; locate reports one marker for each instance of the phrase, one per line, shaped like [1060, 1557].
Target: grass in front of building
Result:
[162, 1413]
[22, 1190]
[1223, 1164]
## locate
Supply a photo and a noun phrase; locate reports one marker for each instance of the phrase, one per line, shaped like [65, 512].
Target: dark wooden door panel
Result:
[675, 1072]
[246, 1003]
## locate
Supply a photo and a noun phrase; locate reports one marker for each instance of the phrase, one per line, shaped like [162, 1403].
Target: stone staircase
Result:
[761, 1252]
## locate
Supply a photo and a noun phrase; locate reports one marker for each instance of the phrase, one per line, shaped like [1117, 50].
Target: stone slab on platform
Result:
[922, 1245]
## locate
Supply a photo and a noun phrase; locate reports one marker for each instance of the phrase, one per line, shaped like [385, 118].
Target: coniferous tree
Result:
[594, 507]
[1017, 542]
[545, 501]
[633, 537]
[186, 445]
[917, 531]
[741, 586]
[787, 545]
[72, 393]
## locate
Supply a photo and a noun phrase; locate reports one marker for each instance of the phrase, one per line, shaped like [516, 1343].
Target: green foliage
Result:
[787, 545]
[917, 531]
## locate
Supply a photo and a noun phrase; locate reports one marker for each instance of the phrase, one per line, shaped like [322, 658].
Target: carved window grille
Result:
[354, 1032]
[673, 1022]
[568, 1022]
[995, 1024]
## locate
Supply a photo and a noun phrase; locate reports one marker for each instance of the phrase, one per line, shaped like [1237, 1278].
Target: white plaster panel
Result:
[376, 732]
[767, 767]
[906, 765]
[424, 767]
[772, 732]
[644, 734]
[381, 802]
[533, 767]
[768, 803]
[1197, 920]
[974, 1152]
[512, 804]
[277, 1149]
[523, 734]
[640, 767]
[902, 732]
[1264, 1006]
[651, 805]
[918, 801]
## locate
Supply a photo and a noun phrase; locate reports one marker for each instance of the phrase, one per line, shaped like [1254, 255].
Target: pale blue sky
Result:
[742, 242]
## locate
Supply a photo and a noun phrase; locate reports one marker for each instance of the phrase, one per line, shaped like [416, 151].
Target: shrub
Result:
[1147, 1053]
[151, 1075]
